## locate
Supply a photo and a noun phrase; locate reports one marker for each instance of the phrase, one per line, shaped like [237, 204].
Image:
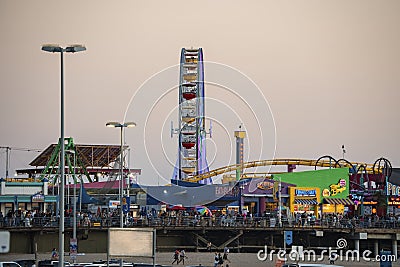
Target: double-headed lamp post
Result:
[58, 49]
[114, 124]
[72, 152]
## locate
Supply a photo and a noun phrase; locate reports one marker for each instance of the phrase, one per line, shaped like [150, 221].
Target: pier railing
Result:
[200, 221]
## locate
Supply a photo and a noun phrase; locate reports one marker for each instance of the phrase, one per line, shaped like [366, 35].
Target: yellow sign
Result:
[337, 188]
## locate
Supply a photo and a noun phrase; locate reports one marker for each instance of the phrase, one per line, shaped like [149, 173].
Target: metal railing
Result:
[200, 221]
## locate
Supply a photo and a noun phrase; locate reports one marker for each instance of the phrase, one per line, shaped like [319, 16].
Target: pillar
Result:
[45, 192]
[272, 239]
[45, 187]
[376, 247]
[3, 186]
[357, 245]
[394, 247]
[261, 209]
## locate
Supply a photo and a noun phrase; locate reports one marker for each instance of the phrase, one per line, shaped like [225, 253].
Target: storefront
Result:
[21, 196]
[304, 200]
[336, 205]
[320, 191]
[262, 195]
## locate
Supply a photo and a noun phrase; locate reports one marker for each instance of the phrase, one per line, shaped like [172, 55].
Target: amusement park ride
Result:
[84, 163]
[191, 133]
[379, 166]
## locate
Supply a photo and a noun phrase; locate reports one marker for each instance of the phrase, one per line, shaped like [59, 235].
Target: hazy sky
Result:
[330, 71]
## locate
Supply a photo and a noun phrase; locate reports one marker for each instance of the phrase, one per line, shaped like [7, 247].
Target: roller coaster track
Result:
[274, 162]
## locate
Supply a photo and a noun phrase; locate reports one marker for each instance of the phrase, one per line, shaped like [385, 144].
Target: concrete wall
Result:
[168, 239]
[24, 242]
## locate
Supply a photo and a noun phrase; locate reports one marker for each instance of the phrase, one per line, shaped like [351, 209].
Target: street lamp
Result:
[58, 49]
[74, 242]
[114, 124]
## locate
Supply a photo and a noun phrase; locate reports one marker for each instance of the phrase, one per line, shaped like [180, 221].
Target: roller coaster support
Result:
[364, 170]
[383, 165]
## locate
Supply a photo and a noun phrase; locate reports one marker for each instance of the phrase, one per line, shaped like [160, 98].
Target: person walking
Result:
[182, 256]
[216, 260]
[332, 258]
[220, 260]
[176, 257]
[54, 255]
[225, 257]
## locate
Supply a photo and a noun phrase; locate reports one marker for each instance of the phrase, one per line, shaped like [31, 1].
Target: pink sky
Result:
[330, 71]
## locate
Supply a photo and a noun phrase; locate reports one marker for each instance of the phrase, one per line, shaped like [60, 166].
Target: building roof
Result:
[90, 155]
[100, 185]
[104, 184]
[91, 171]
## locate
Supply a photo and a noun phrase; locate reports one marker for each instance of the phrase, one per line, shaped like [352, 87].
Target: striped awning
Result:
[339, 201]
[312, 201]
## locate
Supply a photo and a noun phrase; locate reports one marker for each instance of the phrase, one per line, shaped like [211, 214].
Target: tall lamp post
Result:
[114, 124]
[74, 250]
[58, 49]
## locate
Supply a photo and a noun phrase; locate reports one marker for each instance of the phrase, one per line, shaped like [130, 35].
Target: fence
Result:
[200, 221]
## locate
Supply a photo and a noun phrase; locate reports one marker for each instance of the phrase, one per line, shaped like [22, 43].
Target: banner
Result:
[113, 204]
[288, 237]
[126, 201]
[73, 246]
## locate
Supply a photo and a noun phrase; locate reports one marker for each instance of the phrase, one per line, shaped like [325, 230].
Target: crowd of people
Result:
[34, 218]
[234, 219]
[192, 218]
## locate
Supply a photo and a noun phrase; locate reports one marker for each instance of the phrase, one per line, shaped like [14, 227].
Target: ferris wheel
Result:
[191, 133]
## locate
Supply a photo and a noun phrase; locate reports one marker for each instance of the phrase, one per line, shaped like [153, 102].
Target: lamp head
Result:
[113, 124]
[52, 48]
[130, 124]
[116, 124]
[75, 48]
